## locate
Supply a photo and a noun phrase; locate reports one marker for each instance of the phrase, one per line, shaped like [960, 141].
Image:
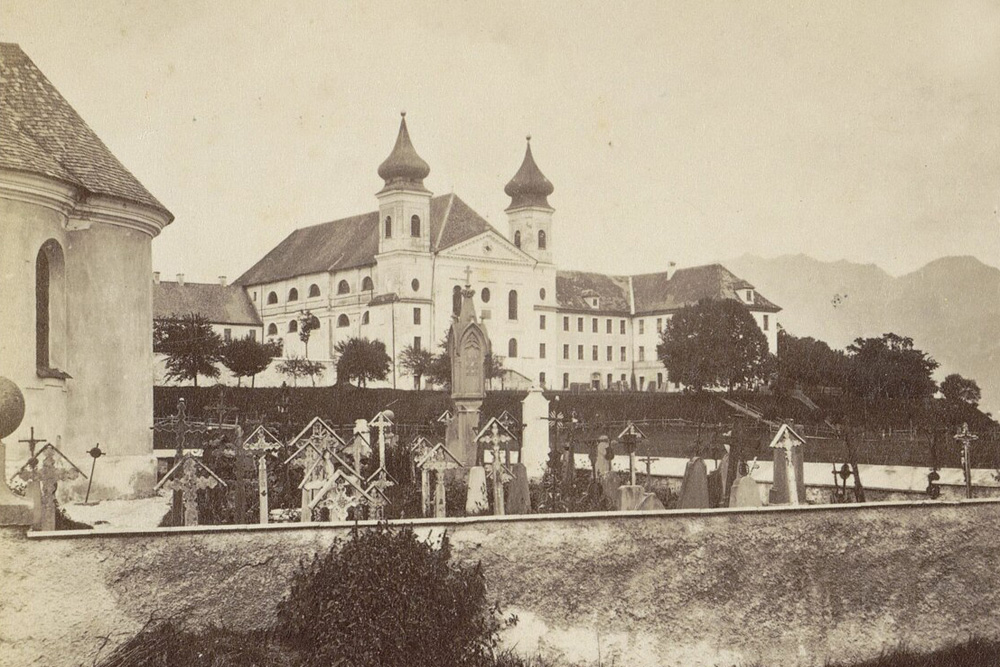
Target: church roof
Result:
[656, 292]
[353, 242]
[529, 187]
[653, 292]
[219, 304]
[42, 134]
[404, 168]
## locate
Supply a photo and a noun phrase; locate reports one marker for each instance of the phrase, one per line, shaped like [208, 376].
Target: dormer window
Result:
[749, 296]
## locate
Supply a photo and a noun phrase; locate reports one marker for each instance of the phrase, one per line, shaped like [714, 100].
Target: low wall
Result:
[779, 586]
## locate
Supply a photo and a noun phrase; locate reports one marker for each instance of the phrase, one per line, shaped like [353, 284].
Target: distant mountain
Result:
[950, 308]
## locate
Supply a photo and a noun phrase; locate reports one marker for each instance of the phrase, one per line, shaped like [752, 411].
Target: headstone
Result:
[650, 503]
[468, 347]
[745, 493]
[630, 497]
[599, 457]
[535, 435]
[476, 500]
[519, 499]
[14, 511]
[724, 473]
[610, 485]
[694, 487]
[714, 488]
[789, 483]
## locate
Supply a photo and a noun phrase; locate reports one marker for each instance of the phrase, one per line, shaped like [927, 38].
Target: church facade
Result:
[396, 274]
[75, 260]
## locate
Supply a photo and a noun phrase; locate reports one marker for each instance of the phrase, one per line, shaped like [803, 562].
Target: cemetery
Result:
[713, 535]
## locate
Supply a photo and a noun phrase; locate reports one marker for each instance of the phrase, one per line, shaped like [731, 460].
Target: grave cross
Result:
[260, 443]
[438, 460]
[188, 483]
[47, 476]
[648, 460]
[629, 436]
[497, 470]
[34, 491]
[31, 441]
[965, 437]
[382, 422]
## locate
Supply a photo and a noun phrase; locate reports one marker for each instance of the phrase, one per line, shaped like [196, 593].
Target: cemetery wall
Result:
[781, 586]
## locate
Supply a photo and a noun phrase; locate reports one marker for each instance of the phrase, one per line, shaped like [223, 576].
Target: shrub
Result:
[385, 598]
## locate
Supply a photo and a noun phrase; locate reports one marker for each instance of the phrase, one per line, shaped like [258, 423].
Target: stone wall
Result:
[782, 586]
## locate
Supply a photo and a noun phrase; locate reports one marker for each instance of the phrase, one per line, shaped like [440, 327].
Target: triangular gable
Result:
[337, 476]
[38, 459]
[261, 440]
[489, 246]
[177, 466]
[438, 453]
[501, 431]
[786, 437]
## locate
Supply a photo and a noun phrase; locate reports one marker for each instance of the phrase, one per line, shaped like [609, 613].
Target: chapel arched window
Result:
[541, 239]
[343, 287]
[512, 305]
[415, 226]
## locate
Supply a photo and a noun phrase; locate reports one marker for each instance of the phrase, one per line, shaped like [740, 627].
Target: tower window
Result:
[416, 316]
[512, 348]
[415, 226]
[343, 321]
[541, 321]
[512, 305]
[293, 294]
[517, 239]
[485, 295]
[343, 287]
[313, 291]
[388, 227]
[541, 239]
[367, 285]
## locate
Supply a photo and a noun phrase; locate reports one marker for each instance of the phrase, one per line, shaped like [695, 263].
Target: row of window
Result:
[595, 381]
[343, 287]
[594, 326]
[414, 226]
[342, 321]
[542, 239]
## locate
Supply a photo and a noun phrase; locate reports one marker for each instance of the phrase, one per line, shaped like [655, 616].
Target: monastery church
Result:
[395, 273]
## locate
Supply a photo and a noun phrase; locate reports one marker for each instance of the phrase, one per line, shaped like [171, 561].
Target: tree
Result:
[808, 362]
[307, 324]
[890, 367]
[959, 389]
[493, 367]
[190, 345]
[296, 367]
[439, 372]
[714, 343]
[361, 359]
[416, 362]
[245, 357]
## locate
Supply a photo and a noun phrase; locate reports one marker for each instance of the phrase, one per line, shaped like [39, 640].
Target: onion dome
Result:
[403, 169]
[529, 187]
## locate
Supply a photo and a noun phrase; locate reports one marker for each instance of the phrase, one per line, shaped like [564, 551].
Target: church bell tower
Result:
[404, 203]
[529, 214]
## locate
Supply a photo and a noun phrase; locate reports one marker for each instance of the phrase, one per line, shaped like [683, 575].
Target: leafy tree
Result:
[714, 343]
[492, 367]
[190, 345]
[307, 324]
[296, 367]
[959, 389]
[361, 359]
[890, 367]
[245, 357]
[439, 372]
[809, 362]
[416, 362]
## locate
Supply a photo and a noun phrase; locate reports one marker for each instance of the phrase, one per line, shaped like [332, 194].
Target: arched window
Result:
[293, 294]
[365, 318]
[293, 326]
[343, 287]
[485, 295]
[456, 300]
[272, 329]
[343, 321]
[517, 239]
[541, 239]
[415, 226]
[313, 291]
[512, 348]
[367, 285]
[512, 305]
[388, 227]
[272, 298]
[50, 322]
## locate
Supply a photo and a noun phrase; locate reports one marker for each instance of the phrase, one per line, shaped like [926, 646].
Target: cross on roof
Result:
[468, 275]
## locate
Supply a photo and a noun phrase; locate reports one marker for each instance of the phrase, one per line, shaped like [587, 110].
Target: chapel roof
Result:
[403, 169]
[40, 133]
[353, 242]
[219, 304]
[529, 187]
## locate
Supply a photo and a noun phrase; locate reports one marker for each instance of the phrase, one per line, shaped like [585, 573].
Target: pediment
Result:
[489, 246]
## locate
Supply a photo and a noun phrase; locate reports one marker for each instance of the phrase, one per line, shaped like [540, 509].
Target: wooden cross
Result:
[188, 483]
[966, 438]
[629, 437]
[47, 476]
[648, 460]
[220, 409]
[31, 441]
[335, 496]
[438, 460]
[260, 443]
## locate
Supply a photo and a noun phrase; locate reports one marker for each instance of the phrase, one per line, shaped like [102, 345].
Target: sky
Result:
[688, 131]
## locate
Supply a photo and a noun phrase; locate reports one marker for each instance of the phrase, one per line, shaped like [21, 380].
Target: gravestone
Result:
[535, 434]
[630, 497]
[519, 499]
[714, 488]
[650, 503]
[14, 511]
[468, 346]
[745, 492]
[599, 459]
[610, 484]
[694, 486]
[476, 500]
[789, 483]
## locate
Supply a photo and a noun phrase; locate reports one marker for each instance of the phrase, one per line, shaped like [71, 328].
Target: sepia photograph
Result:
[507, 333]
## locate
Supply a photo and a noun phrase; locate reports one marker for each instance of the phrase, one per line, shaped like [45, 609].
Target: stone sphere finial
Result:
[11, 407]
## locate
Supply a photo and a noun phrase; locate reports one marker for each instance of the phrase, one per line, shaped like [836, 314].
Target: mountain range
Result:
[950, 308]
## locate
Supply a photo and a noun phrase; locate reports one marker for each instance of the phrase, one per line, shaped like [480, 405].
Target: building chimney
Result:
[671, 269]
[180, 279]
[156, 277]
[222, 280]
